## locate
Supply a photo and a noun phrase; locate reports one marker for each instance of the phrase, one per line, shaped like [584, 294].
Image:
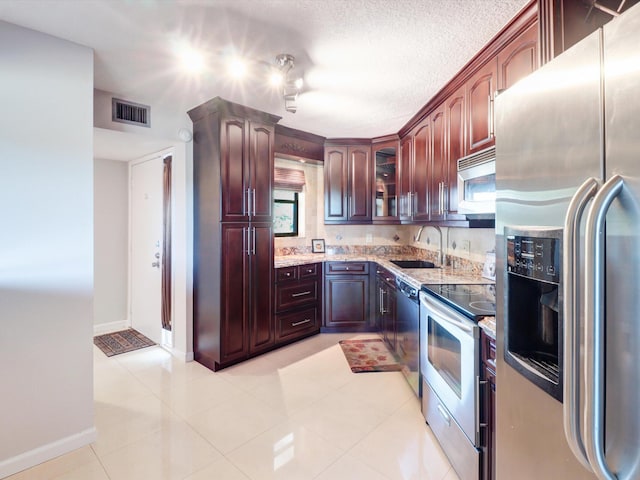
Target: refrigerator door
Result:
[622, 259]
[548, 141]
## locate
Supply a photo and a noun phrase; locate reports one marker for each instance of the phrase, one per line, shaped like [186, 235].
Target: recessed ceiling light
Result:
[192, 60]
[237, 67]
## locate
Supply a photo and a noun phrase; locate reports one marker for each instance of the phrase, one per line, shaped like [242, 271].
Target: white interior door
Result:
[146, 248]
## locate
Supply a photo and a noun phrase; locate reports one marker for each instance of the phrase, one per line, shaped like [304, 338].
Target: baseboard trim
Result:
[46, 452]
[184, 356]
[102, 328]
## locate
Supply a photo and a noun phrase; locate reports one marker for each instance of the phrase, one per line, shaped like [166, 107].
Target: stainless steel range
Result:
[450, 367]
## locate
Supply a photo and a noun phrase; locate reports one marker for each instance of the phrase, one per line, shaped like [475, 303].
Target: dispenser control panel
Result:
[534, 257]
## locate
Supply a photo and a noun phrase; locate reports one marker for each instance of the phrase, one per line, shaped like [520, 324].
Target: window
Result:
[285, 213]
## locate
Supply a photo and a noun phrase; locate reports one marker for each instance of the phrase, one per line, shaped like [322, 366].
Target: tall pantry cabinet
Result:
[233, 151]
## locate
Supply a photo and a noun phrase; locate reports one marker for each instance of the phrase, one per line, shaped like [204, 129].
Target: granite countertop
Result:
[415, 276]
[488, 324]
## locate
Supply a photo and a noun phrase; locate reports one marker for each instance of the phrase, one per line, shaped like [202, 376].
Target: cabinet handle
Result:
[253, 251]
[310, 270]
[306, 320]
[288, 274]
[491, 133]
[301, 294]
[247, 207]
[444, 414]
[253, 201]
[245, 249]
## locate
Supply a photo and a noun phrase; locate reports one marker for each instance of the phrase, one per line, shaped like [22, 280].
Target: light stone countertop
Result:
[415, 276]
[488, 324]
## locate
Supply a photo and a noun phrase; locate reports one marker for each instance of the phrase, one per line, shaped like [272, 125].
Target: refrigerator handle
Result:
[571, 285]
[595, 327]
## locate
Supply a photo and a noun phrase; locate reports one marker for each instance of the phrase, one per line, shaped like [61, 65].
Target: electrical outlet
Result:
[368, 238]
[465, 246]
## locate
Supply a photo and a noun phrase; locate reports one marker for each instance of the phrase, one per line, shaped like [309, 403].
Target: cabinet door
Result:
[385, 205]
[234, 170]
[519, 58]
[261, 259]
[335, 184]
[439, 166]
[346, 301]
[421, 172]
[480, 90]
[359, 189]
[455, 115]
[405, 187]
[261, 172]
[234, 292]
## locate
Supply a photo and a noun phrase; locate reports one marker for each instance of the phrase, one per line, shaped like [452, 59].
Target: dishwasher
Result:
[408, 332]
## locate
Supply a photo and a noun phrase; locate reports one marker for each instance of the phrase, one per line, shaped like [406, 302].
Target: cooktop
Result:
[474, 301]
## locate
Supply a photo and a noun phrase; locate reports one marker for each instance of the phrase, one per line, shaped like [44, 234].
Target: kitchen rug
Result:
[369, 355]
[121, 342]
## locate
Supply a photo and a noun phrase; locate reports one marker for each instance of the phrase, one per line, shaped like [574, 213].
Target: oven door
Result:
[450, 361]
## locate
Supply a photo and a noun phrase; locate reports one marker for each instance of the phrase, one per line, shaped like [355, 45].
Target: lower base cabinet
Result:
[346, 297]
[298, 291]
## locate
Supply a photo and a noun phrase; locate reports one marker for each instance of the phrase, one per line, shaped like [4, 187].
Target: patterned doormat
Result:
[369, 355]
[121, 342]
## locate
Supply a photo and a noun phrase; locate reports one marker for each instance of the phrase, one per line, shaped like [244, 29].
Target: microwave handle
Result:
[442, 313]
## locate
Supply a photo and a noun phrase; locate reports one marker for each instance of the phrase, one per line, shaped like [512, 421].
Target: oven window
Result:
[444, 354]
[480, 189]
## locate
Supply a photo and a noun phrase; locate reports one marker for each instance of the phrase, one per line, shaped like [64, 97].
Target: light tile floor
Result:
[296, 413]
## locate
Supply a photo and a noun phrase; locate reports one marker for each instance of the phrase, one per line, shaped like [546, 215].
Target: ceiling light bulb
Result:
[276, 79]
[237, 67]
[192, 60]
[299, 83]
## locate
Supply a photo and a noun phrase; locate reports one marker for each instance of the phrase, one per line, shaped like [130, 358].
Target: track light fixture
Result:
[290, 86]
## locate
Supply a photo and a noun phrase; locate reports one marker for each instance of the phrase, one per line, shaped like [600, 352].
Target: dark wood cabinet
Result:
[346, 296]
[519, 58]
[347, 183]
[418, 200]
[233, 233]
[385, 155]
[298, 300]
[455, 146]
[385, 306]
[439, 166]
[405, 184]
[481, 88]
[488, 408]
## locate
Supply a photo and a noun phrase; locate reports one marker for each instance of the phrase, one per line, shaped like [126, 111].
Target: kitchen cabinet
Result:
[386, 171]
[233, 233]
[298, 295]
[347, 183]
[488, 407]
[439, 168]
[455, 147]
[480, 91]
[415, 153]
[346, 297]
[385, 306]
[519, 58]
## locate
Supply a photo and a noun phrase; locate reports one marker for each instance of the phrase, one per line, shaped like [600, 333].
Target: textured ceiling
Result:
[368, 65]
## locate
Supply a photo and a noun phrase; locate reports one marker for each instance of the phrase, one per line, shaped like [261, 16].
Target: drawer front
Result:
[296, 294]
[290, 325]
[286, 273]
[309, 271]
[347, 268]
[489, 351]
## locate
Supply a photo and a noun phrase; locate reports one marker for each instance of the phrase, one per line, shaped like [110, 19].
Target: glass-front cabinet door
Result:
[385, 208]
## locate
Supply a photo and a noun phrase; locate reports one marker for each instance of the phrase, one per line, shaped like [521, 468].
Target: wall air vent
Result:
[123, 111]
[478, 158]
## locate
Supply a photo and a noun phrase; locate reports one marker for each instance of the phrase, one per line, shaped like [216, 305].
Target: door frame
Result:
[167, 337]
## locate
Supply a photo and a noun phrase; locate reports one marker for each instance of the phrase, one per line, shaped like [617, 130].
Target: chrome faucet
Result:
[441, 256]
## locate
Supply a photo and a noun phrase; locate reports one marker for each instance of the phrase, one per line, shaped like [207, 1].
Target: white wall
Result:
[111, 196]
[46, 247]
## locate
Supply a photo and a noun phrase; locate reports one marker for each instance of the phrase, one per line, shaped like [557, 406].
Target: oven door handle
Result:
[444, 316]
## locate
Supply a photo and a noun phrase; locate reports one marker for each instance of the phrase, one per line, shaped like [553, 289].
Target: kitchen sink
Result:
[413, 263]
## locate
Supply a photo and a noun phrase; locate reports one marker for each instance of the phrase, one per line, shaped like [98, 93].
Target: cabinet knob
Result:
[347, 268]
[288, 274]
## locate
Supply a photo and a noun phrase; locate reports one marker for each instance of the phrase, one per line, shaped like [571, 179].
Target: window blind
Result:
[288, 179]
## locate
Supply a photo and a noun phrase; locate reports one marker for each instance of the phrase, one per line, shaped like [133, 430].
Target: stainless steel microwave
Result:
[477, 184]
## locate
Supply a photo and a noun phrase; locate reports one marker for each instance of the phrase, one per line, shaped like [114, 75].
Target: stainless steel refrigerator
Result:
[568, 159]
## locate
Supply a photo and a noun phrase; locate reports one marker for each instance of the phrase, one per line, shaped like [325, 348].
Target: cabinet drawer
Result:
[290, 325]
[489, 351]
[308, 271]
[346, 268]
[292, 295]
[286, 273]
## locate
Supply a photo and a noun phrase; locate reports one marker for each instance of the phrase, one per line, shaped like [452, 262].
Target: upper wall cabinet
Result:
[481, 88]
[386, 171]
[347, 183]
[519, 58]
